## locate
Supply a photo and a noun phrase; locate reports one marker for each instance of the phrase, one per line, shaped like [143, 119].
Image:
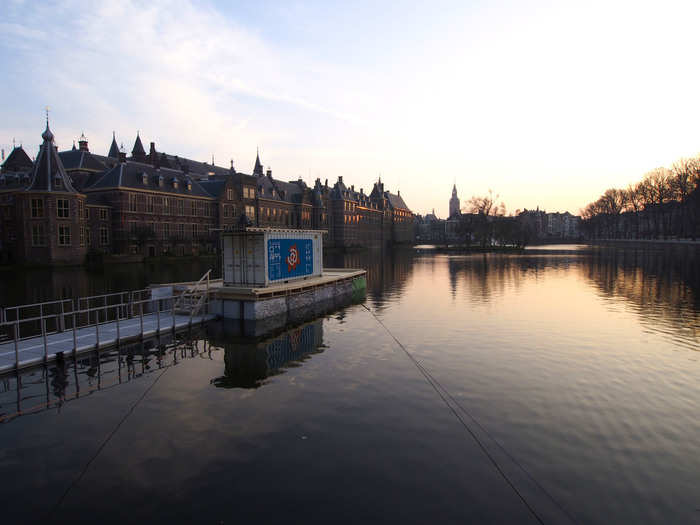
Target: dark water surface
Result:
[574, 370]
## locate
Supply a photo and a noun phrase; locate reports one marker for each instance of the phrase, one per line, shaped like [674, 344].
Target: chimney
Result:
[326, 183]
[269, 172]
[122, 157]
[152, 156]
[340, 179]
[352, 187]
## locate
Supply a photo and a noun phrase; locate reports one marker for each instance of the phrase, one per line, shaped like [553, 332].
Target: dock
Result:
[42, 332]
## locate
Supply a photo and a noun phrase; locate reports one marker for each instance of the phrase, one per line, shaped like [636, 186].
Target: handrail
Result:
[81, 318]
[191, 290]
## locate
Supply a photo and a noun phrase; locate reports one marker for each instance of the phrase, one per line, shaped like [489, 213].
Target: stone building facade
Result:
[56, 209]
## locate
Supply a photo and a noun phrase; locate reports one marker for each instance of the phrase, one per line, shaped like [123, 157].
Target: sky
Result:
[546, 103]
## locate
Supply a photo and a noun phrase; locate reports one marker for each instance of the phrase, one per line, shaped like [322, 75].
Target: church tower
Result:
[454, 202]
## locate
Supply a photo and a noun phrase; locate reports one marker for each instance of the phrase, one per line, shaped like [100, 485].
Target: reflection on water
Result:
[581, 364]
[247, 364]
[51, 387]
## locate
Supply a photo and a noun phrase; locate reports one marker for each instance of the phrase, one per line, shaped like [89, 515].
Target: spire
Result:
[48, 173]
[258, 169]
[74, 148]
[138, 153]
[113, 149]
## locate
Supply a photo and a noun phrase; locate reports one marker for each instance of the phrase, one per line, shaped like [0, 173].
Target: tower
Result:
[454, 202]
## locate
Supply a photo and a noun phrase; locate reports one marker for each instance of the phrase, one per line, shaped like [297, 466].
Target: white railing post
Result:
[62, 324]
[43, 333]
[141, 315]
[158, 314]
[118, 308]
[75, 337]
[97, 329]
[17, 344]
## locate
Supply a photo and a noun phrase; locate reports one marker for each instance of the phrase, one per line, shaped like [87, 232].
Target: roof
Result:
[130, 174]
[17, 160]
[213, 187]
[395, 201]
[80, 160]
[113, 149]
[48, 173]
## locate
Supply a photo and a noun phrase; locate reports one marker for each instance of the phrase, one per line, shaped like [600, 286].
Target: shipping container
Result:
[263, 256]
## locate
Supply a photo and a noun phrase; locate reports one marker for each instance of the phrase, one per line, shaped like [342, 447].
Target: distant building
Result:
[65, 204]
[454, 203]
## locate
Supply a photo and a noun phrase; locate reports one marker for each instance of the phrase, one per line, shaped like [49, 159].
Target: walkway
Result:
[31, 351]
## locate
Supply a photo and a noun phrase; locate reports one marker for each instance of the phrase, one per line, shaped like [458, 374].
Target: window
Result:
[166, 206]
[103, 214]
[144, 178]
[248, 192]
[166, 230]
[81, 209]
[63, 209]
[38, 235]
[229, 194]
[87, 235]
[104, 236]
[226, 211]
[181, 207]
[194, 231]
[37, 208]
[57, 182]
[132, 202]
[149, 204]
[181, 230]
[64, 235]
[250, 212]
[82, 236]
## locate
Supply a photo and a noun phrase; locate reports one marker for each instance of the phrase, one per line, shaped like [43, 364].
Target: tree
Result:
[484, 209]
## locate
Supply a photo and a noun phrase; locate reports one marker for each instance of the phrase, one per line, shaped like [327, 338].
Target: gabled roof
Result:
[80, 160]
[395, 201]
[17, 160]
[48, 173]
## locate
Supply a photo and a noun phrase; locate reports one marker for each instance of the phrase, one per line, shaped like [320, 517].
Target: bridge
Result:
[38, 333]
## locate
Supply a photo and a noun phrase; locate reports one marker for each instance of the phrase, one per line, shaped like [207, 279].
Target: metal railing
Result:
[105, 314]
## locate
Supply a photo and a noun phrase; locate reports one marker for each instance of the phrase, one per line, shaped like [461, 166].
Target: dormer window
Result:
[161, 181]
[144, 178]
[176, 183]
[57, 182]
[189, 184]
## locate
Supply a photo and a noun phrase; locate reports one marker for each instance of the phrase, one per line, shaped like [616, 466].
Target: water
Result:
[575, 368]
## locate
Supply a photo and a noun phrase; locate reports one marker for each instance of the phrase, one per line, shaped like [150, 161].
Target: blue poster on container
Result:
[287, 258]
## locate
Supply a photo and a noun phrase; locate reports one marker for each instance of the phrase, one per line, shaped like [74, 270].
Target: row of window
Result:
[170, 206]
[39, 237]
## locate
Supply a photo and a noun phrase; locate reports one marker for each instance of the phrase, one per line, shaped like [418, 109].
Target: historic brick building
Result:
[65, 204]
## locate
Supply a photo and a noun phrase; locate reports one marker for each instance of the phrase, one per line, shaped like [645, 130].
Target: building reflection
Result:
[248, 364]
[388, 271]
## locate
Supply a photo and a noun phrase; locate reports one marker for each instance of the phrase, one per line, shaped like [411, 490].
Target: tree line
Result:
[664, 204]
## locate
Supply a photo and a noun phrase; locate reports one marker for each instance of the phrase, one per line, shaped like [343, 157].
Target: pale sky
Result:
[546, 103]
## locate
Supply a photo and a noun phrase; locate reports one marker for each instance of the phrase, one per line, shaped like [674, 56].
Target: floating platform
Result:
[257, 311]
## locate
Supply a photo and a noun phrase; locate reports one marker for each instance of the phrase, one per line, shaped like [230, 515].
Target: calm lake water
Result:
[561, 385]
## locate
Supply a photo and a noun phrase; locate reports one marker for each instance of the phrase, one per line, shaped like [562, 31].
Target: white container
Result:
[260, 257]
